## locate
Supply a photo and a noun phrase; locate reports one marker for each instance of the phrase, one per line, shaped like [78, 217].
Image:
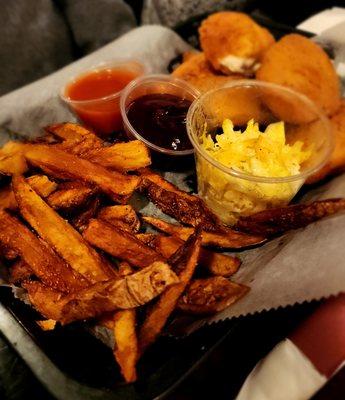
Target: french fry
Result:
[7, 199]
[70, 195]
[42, 185]
[126, 156]
[125, 214]
[184, 262]
[129, 292]
[120, 243]
[231, 240]
[210, 295]
[12, 164]
[44, 263]
[47, 324]
[81, 220]
[184, 207]
[59, 163]
[126, 349]
[215, 263]
[56, 231]
[75, 138]
[279, 220]
[20, 271]
[147, 238]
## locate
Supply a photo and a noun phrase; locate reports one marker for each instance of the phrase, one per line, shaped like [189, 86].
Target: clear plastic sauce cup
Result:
[94, 95]
[230, 192]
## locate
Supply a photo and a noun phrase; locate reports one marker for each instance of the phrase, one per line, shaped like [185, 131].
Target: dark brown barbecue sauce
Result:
[161, 119]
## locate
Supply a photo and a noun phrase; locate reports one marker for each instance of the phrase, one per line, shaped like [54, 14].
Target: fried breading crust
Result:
[302, 65]
[232, 41]
[197, 71]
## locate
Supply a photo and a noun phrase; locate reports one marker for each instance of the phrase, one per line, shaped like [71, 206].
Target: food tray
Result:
[69, 361]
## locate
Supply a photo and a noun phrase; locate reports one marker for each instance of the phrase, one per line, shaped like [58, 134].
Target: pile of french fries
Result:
[69, 236]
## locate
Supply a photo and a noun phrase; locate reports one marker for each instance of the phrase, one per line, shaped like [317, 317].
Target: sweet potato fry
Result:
[44, 263]
[82, 219]
[129, 292]
[126, 156]
[20, 271]
[147, 238]
[75, 138]
[125, 214]
[42, 185]
[182, 206]
[56, 231]
[210, 295]
[12, 164]
[184, 262]
[279, 220]
[120, 243]
[126, 341]
[215, 263]
[70, 195]
[229, 240]
[60, 163]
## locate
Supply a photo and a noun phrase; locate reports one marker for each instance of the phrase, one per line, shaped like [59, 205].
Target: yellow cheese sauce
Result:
[255, 153]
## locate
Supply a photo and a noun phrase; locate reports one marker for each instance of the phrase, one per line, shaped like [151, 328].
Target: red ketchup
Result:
[161, 119]
[95, 98]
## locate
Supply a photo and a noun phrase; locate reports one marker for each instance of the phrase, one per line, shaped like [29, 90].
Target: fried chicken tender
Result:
[298, 63]
[337, 160]
[233, 42]
[198, 72]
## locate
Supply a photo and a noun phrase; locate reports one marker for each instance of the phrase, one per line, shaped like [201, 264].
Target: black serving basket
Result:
[72, 364]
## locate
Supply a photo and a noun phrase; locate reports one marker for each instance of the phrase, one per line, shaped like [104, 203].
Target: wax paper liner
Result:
[301, 266]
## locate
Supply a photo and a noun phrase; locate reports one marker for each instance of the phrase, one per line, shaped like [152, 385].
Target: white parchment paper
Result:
[301, 266]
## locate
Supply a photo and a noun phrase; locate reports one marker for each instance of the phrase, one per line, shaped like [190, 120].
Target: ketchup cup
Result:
[101, 113]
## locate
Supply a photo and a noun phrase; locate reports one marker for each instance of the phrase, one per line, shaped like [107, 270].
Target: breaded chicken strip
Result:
[198, 72]
[233, 42]
[337, 161]
[300, 64]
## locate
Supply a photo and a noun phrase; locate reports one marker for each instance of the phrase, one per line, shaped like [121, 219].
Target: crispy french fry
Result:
[59, 163]
[229, 240]
[147, 238]
[125, 214]
[184, 262]
[126, 349]
[12, 164]
[81, 220]
[210, 295]
[126, 156]
[47, 324]
[44, 263]
[7, 199]
[42, 184]
[75, 138]
[279, 220]
[129, 292]
[182, 206]
[70, 195]
[56, 231]
[20, 271]
[120, 243]
[215, 263]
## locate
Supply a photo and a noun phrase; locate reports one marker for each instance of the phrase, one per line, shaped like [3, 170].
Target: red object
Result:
[95, 97]
[322, 336]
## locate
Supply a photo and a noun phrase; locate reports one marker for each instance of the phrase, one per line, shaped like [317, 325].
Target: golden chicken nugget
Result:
[300, 64]
[233, 42]
[198, 72]
[337, 159]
